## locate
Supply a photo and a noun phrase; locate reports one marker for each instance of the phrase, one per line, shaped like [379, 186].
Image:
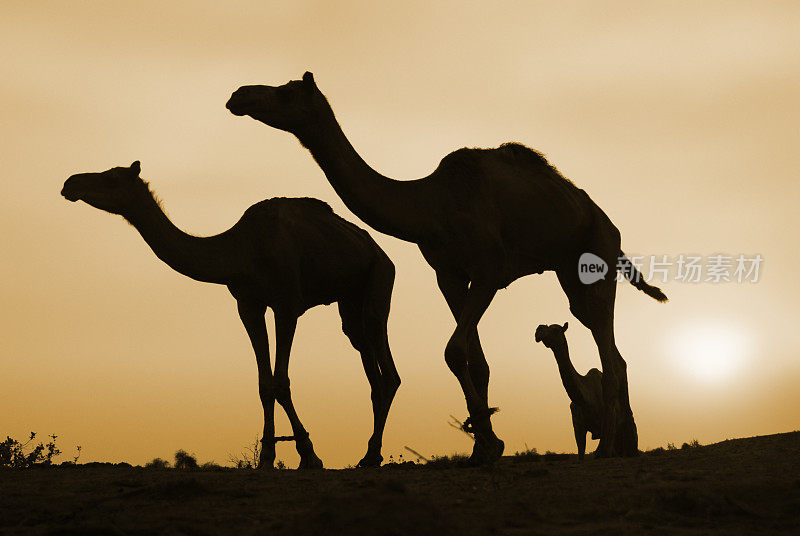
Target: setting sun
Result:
[712, 352]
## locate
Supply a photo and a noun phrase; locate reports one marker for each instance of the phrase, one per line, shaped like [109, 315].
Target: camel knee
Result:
[455, 355]
[266, 391]
[281, 391]
[391, 385]
[383, 392]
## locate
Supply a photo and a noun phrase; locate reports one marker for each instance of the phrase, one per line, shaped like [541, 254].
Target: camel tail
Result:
[637, 280]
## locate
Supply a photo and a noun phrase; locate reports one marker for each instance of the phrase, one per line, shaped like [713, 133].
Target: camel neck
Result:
[569, 376]
[201, 258]
[389, 206]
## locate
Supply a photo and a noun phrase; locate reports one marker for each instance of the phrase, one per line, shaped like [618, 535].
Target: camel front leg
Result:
[252, 316]
[487, 445]
[454, 290]
[618, 436]
[579, 427]
[285, 325]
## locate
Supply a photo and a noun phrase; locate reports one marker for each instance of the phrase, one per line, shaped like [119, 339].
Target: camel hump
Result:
[290, 208]
[303, 203]
[315, 216]
[471, 157]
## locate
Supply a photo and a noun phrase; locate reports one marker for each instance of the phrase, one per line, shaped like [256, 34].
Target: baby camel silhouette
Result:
[585, 392]
[289, 254]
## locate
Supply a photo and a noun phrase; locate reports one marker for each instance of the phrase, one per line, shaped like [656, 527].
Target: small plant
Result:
[671, 446]
[529, 454]
[77, 455]
[550, 456]
[444, 462]
[157, 463]
[280, 465]
[693, 444]
[400, 461]
[13, 453]
[184, 460]
[250, 456]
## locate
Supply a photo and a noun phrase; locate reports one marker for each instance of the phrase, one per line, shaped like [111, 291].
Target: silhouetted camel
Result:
[289, 254]
[482, 219]
[585, 392]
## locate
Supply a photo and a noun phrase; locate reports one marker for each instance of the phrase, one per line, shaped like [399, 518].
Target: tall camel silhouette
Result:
[585, 391]
[289, 254]
[482, 218]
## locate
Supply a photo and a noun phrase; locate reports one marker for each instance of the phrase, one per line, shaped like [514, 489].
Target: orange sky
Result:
[681, 121]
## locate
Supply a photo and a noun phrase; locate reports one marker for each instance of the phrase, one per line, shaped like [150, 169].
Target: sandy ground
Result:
[740, 486]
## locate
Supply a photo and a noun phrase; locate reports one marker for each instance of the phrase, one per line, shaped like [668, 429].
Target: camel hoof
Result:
[370, 460]
[487, 451]
[310, 462]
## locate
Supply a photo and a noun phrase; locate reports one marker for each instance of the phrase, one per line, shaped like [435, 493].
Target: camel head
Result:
[297, 106]
[552, 334]
[116, 190]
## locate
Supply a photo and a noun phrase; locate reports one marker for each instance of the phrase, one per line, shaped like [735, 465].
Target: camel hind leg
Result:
[593, 306]
[285, 325]
[364, 321]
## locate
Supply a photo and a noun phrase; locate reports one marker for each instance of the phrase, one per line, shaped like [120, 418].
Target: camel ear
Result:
[566, 325]
[136, 167]
[308, 79]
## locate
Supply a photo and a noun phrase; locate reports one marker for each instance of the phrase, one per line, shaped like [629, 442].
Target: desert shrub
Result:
[157, 463]
[444, 462]
[691, 445]
[184, 460]
[671, 446]
[15, 453]
[550, 456]
[249, 457]
[527, 455]
[400, 460]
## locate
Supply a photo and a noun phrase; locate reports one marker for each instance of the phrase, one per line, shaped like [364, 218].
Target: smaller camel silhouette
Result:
[290, 254]
[585, 392]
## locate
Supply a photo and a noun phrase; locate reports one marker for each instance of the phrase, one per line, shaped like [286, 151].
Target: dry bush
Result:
[157, 463]
[184, 460]
[13, 453]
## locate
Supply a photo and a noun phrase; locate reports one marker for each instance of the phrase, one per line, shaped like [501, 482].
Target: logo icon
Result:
[591, 268]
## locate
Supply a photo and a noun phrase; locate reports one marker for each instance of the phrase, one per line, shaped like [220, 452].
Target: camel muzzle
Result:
[70, 196]
[234, 107]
